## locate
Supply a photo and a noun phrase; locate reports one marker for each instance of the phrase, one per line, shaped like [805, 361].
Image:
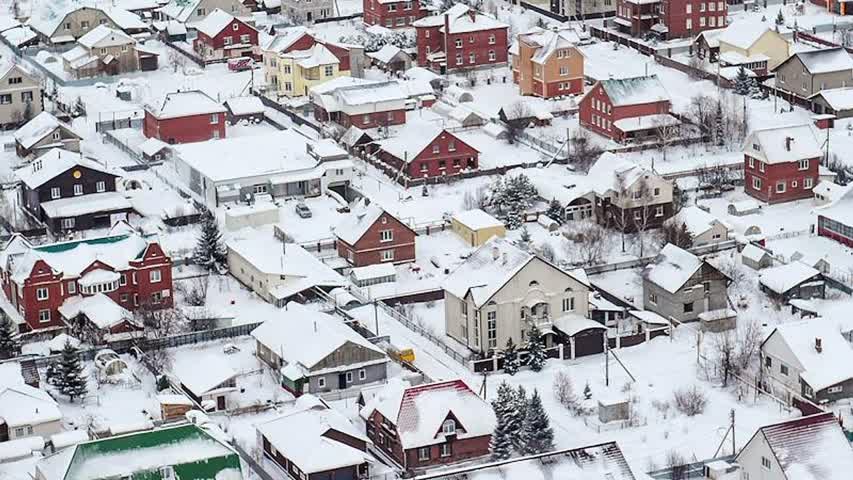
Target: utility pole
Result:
[376, 316]
[732, 415]
[606, 360]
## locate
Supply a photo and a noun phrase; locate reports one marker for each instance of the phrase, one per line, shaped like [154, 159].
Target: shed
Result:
[718, 320]
[174, 406]
[548, 223]
[744, 207]
[254, 215]
[456, 95]
[244, 108]
[794, 280]
[391, 58]
[344, 298]
[373, 274]
[756, 257]
[476, 227]
[613, 408]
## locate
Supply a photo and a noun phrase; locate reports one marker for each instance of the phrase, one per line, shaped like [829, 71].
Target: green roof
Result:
[192, 452]
[65, 246]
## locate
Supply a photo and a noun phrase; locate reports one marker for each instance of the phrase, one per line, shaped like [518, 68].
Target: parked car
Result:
[240, 64]
[302, 210]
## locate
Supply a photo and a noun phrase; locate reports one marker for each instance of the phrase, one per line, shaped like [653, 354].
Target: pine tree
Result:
[780, 19]
[9, 346]
[515, 418]
[71, 380]
[742, 82]
[511, 199]
[535, 349]
[52, 373]
[525, 238]
[511, 363]
[501, 443]
[210, 252]
[587, 392]
[555, 211]
[536, 430]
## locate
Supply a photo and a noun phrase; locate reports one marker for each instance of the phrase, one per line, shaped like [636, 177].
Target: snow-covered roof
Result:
[124, 19]
[314, 449]
[753, 252]
[698, 221]
[103, 36]
[785, 277]
[733, 58]
[573, 323]
[827, 60]
[99, 309]
[356, 95]
[408, 143]
[315, 56]
[646, 122]
[69, 438]
[214, 22]
[21, 404]
[831, 365]
[356, 224]
[217, 370]
[743, 34]
[635, 90]
[809, 448]
[377, 270]
[86, 205]
[184, 104]
[302, 336]
[838, 99]
[461, 19]
[612, 172]
[50, 23]
[418, 412]
[152, 146]
[248, 105]
[19, 35]
[673, 268]
[830, 190]
[352, 136]
[546, 42]
[180, 10]
[284, 39]
[386, 54]
[650, 317]
[488, 269]
[712, 37]
[54, 163]
[37, 128]
[477, 219]
[773, 144]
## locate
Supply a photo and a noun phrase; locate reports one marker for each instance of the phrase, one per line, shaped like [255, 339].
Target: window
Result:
[688, 24]
[760, 166]
[656, 191]
[287, 69]
[26, 97]
[835, 389]
[214, 119]
[448, 427]
[387, 255]
[329, 70]
[451, 146]
[491, 39]
[446, 450]
[804, 164]
[154, 276]
[42, 293]
[123, 297]
[793, 184]
[423, 453]
[362, 374]
[780, 187]
[78, 189]
[689, 8]
[5, 99]
[472, 57]
[659, 211]
[706, 287]
[386, 235]
[407, 5]
[653, 298]
[751, 162]
[235, 26]
[783, 369]
[215, 135]
[638, 215]
[688, 307]
[564, 71]
[712, 21]
[67, 223]
[55, 192]
[568, 304]
[228, 40]
[124, 48]
[321, 382]
[756, 183]
[426, 34]
[72, 288]
[458, 59]
[156, 298]
[458, 43]
[349, 377]
[84, 24]
[768, 362]
[44, 316]
[765, 463]
[201, 12]
[392, 8]
[101, 186]
[15, 80]
[701, 21]
[122, 279]
[365, 119]
[167, 473]
[436, 148]
[808, 182]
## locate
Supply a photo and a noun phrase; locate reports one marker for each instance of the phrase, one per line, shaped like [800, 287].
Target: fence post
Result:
[494, 363]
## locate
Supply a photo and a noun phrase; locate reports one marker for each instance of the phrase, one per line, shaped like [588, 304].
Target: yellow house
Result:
[476, 227]
[295, 61]
[754, 45]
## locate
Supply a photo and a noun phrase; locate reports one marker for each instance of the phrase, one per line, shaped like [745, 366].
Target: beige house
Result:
[754, 45]
[74, 23]
[704, 228]
[501, 291]
[43, 133]
[102, 51]
[20, 95]
[547, 63]
[194, 11]
[809, 72]
[26, 411]
[476, 227]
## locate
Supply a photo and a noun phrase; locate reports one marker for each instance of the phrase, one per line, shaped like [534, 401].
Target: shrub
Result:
[690, 400]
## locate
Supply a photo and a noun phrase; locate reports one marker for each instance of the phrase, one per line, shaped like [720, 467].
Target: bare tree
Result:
[177, 61]
[666, 133]
[677, 234]
[696, 65]
[643, 210]
[677, 465]
[194, 290]
[734, 351]
[583, 151]
[716, 176]
[564, 391]
[588, 243]
[690, 401]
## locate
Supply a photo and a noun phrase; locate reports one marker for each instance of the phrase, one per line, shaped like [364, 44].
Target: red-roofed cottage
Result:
[221, 35]
[432, 424]
[627, 109]
[428, 155]
[392, 13]
[185, 117]
[781, 164]
[370, 235]
[461, 38]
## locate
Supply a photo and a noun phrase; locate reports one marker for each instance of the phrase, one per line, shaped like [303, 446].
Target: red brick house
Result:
[392, 13]
[131, 270]
[461, 38]
[835, 220]
[185, 117]
[428, 154]
[221, 35]
[428, 425]
[370, 235]
[669, 18]
[781, 163]
[626, 109]
[350, 101]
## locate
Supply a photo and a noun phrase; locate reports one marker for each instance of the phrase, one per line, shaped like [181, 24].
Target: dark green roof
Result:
[65, 246]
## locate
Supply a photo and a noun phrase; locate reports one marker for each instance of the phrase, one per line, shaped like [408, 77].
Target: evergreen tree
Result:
[210, 252]
[525, 237]
[52, 373]
[718, 125]
[780, 19]
[501, 443]
[536, 430]
[71, 380]
[535, 349]
[511, 199]
[9, 346]
[587, 392]
[515, 418]
[511, 363]
[742, 82]
[162, 383]
[555, 211]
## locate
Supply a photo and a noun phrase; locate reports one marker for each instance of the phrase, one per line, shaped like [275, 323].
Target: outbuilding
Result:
[476, 227]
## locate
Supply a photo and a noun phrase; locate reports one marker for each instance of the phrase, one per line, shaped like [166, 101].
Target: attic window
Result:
[235, 27]
[384, 220]
[534, 283]
[756, 147]
[448, 427]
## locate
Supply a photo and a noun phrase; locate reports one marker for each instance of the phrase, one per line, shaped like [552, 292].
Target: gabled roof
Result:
[838, 99]
[477, 219]
[100, 309]
[317, 55]
[785, 277]
[37, 128]
[301, 336]
[103, 36]
[698, 221]
[546, 42]
[356, 224]
[408, 143]
[827, 60]
[673, 268]
[387, 53]
[180, 10]
[56, 162]
[418, 412]
[812, 447]
[832, 365]
[284, 39]
[634, 90]
[743, 34]
[217, 370]
[214, 22]
[122, 18]
[460, 20]
[184, 104]
[773, 146]
[712, 37]
[21, 404]
[612, 172]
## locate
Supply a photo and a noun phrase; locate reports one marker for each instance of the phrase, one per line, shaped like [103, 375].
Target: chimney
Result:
[818, 345]
[472, 14]
[788, 141]
[503, 259]
[496, 252]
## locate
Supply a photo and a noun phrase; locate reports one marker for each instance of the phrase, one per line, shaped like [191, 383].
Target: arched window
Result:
[533, 283]
[448, 427]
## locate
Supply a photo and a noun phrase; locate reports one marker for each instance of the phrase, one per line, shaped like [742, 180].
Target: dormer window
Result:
[448, 427]
[533, 283]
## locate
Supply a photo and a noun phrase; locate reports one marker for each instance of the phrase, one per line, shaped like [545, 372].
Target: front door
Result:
[4, 432]
[342, 381]
[220, 402]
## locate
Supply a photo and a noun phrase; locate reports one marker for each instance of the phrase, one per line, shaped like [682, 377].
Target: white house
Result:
[25, 411]
[212, 384]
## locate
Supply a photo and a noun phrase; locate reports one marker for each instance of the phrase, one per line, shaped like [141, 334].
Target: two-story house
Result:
[190, 12]
[392, 13]
[314, 352]
[370, 235]
[458, 427]
[43, 133]
[69, 192]
[679, 286]
[420, 154]
[361, 103]
[222, 35]
[501, 291]
[547, 63]
[102, 51]
[580, 9]
[781, 164]
[67, 26]
[627, 109]
[669, 18]
[130, 269]
[461, 38]
[20, 95]
[808, 72]
[752, 45]
[185, 117]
